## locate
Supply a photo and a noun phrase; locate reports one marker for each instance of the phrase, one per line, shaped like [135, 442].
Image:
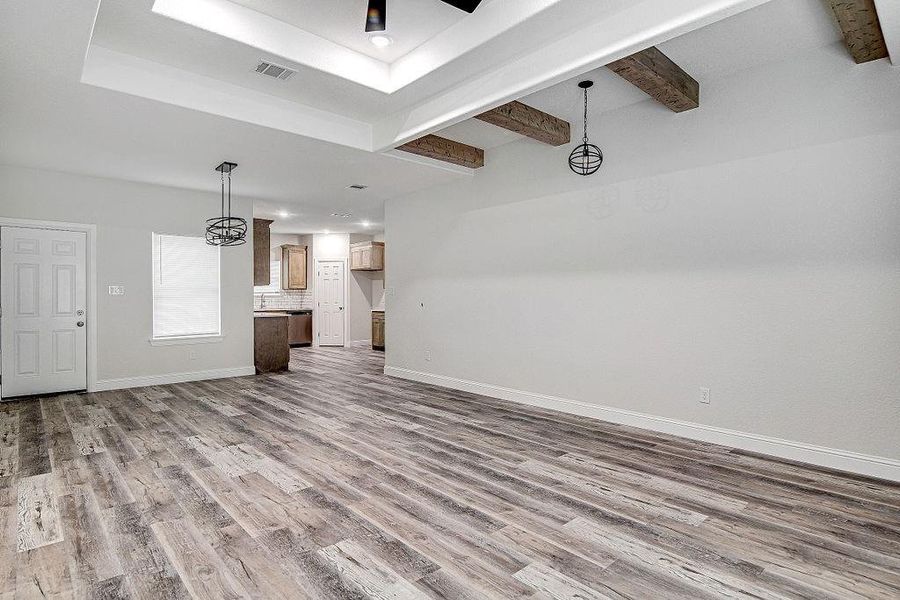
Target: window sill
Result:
[186, 340]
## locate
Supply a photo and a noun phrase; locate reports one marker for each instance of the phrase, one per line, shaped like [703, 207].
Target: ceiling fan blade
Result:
[376, 16]
[467, 5]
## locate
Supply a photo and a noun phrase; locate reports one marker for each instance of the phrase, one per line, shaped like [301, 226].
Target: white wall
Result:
[126, 214]
[331, 245]
[751, 246]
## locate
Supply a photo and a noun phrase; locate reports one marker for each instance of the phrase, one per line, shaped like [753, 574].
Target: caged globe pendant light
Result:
[585, 158]
[226, 230]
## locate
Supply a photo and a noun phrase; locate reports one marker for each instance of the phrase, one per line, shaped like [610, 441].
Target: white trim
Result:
[186, 340]
[144, 381]
[93, 320]
[317, 312]
[832, 458]
[430, 162]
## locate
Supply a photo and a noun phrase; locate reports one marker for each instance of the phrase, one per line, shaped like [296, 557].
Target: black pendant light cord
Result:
[585, 138]
[229, 193]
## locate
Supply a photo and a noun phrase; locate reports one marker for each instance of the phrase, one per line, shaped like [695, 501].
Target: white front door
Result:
[43, 336]
[330, 292]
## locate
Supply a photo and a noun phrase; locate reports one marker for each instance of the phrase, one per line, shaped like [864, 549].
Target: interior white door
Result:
[330, 291]
[43, 335]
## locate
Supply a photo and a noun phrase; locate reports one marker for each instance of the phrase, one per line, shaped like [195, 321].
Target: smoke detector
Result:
[275, 71]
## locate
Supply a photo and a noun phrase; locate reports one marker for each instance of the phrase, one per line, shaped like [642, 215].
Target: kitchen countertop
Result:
[270, 315]
[377, 310]
[285, 311]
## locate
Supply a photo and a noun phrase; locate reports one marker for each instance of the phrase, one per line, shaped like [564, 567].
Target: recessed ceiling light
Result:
[326, 232]
[366, 224]
[342, 215]
[381, 41]
[283, 214]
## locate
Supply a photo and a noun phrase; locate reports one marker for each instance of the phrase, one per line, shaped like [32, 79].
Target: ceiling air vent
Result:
[357, 186]
[273, 70]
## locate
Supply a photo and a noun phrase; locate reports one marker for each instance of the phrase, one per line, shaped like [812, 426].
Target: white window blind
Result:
[185, 287]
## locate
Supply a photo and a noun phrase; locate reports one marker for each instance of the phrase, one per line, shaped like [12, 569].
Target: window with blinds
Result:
[185, 287]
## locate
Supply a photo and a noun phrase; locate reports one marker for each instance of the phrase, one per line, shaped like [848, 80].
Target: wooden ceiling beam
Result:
[438, 148]
[858, 20]
[657, 75]
[529, 122]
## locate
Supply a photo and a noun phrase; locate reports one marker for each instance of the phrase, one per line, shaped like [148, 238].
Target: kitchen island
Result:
[271, 351]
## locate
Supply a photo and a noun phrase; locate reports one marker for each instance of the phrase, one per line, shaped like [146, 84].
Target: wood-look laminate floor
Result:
[335, 481]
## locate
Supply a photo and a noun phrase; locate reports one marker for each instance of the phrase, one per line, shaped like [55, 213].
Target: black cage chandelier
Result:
[226, 230]
[586, 158]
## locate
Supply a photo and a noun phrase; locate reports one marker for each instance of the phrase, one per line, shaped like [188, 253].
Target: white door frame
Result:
[90, 232]
[316, 297]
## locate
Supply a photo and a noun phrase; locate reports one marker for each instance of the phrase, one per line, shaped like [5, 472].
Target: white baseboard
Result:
[144, 381]
[832, 458]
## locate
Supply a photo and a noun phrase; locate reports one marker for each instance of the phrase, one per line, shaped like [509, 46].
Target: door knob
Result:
[80, 323]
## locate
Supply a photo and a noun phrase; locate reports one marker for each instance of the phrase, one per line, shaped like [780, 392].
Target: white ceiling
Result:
[768, 33]
[201, 54]
[50, 119]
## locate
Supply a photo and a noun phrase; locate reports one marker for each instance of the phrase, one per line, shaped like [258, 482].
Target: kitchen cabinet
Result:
[271, 352]
[377, 330]
[261, 261]
[300, 328]
[367, 256]
[293, 267]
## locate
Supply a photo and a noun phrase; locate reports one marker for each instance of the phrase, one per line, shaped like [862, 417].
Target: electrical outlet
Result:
[428, 355]
[704, 395]
[117, 290]
[192, 355]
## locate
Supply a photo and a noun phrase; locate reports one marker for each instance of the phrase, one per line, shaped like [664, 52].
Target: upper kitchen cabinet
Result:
[293, 267]
[367, 256]
[261, 263]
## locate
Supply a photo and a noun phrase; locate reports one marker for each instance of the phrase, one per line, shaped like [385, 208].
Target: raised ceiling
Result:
[446, 67]
[411, 23]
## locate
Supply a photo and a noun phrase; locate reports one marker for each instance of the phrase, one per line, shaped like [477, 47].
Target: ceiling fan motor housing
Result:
[376, 15]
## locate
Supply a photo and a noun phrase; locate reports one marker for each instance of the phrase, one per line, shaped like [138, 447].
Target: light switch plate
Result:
[117, 290]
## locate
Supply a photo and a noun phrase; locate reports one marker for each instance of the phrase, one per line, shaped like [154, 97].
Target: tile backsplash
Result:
[286, 299]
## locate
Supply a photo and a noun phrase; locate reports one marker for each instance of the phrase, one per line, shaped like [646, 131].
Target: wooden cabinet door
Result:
[377, 263]
[261, 261]
[300, 329]
[378, 331]
[293, 267]
[356, 262]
